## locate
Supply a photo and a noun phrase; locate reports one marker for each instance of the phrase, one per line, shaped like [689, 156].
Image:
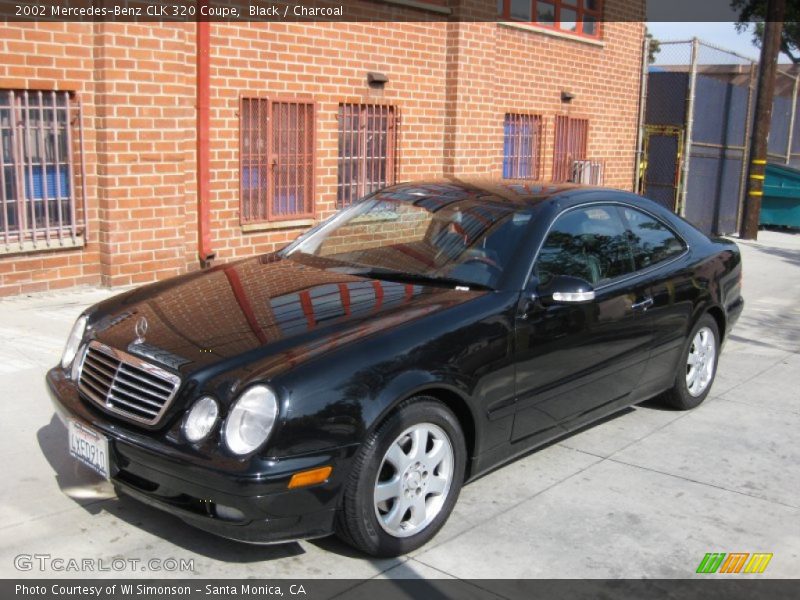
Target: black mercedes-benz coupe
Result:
[353, 381]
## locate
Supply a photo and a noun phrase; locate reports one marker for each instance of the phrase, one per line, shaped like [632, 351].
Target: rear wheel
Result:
[405, 481]
[697, 368]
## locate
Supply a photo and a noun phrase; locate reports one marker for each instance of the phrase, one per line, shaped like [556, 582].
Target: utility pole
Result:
[776, 10]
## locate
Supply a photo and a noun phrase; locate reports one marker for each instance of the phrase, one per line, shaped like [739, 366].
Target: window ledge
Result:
[379, 218]
[29, 246]
[553, 33]
[272, 225]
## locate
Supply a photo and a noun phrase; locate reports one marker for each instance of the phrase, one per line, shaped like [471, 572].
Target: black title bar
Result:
[337, 10]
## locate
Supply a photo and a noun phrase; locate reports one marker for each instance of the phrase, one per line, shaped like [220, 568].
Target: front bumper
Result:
[181, 483]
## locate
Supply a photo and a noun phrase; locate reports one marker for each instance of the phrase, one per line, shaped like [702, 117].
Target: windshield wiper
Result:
[404, 276]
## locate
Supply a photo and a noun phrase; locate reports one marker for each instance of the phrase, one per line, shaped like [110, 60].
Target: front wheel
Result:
[698, 366]
[405, 481]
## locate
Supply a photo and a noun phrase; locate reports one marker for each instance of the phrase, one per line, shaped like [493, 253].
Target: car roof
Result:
[523, 193]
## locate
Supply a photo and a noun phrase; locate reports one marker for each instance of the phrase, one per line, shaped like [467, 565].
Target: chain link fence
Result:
[784, 145]
[699, 103]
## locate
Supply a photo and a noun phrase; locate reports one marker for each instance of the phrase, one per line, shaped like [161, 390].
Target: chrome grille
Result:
[124, 384]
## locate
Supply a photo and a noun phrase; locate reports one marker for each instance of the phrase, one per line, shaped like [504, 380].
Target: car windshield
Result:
[462, 242]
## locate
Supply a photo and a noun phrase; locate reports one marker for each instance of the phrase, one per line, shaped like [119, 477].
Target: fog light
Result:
[304, 478]
[228, 513]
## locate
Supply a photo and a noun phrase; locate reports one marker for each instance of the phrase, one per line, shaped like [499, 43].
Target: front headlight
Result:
[251, 419]
[200, 420]
[73, 342]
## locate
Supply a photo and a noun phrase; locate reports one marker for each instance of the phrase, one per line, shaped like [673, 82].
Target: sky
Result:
[719, 34]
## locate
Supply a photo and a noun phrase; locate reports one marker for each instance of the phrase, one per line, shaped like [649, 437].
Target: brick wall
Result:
[451, 82]
[145, 123]
[604, 79]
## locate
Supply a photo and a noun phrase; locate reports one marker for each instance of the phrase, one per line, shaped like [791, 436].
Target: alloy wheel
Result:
[414, 480]
[701, 361]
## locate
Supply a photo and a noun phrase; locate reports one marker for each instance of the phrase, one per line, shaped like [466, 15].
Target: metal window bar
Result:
[277, 159]
[522, 137]
[253, 158]
[38, 204]
[367, 150]
[292, 160]
[571, 140]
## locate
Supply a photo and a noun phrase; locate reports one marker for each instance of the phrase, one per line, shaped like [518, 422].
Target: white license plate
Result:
[89, 447]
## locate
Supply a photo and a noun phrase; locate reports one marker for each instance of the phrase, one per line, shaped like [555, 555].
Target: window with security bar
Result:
[522, 138]
[571, 140]
[276, 159]
[38, 207]
[367, 150]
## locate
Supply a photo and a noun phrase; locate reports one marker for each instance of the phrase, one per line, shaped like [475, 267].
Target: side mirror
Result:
[564, 289]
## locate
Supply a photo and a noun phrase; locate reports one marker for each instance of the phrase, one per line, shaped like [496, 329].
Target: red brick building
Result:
[99, 122]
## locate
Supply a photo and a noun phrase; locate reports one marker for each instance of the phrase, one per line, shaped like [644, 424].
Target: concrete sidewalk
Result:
[644, 494]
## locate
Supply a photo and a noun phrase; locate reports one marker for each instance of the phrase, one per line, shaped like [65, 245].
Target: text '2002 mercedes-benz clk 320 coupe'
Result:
[353, 381]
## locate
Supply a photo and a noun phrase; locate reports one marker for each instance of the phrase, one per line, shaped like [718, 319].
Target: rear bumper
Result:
[236, 503]
[733, 312]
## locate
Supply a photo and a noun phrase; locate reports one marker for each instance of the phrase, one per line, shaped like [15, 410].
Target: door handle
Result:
[526, 306]
[642, 305]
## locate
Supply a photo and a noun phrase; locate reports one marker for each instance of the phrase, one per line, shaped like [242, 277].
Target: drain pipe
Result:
[205, 252]
[638, 175]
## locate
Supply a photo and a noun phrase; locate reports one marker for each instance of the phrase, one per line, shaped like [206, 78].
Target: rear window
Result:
[651, 241]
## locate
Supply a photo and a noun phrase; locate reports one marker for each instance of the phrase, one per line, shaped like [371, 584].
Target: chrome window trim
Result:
[126, 358]
[620, 279]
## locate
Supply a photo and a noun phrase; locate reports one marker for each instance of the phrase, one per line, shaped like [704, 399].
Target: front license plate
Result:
[89, 447]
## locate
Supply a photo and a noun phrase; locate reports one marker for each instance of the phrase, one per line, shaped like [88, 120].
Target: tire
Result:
[702, 344]
[388, 464]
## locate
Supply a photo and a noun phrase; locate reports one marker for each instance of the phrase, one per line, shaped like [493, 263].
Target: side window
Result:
[651, 240]
[590, 243]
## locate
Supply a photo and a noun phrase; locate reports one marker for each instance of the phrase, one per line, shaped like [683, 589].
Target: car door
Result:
[661, 256]
[573, 361]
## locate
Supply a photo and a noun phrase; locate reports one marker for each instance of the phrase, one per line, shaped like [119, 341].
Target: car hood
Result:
[257, 308]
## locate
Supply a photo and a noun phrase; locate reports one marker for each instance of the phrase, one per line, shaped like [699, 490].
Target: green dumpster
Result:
[781, 202]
